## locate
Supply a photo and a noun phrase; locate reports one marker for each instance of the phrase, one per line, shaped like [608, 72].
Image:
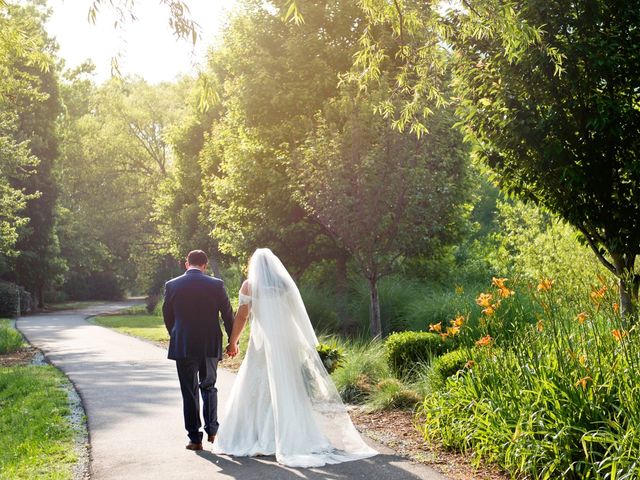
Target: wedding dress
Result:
[283, 402]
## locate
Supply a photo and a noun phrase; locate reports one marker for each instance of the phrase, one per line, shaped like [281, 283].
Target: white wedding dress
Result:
[283, 402]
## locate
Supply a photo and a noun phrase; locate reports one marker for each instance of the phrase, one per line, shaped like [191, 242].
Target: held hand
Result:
[232, 350]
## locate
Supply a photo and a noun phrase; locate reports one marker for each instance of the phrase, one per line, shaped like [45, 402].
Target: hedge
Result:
[14, 300]
[406, 350]
[447, 366]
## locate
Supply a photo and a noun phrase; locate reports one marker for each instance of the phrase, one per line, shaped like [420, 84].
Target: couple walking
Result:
[283, 402]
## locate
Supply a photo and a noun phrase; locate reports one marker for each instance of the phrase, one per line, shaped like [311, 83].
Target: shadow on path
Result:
[379, 467]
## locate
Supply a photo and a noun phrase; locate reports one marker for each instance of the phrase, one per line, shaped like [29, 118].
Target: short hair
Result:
[197, 258]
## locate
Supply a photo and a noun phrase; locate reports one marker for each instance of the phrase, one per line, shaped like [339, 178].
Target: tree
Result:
[380, 193]
[273, 78]
[547, 92]
[115, 154]
[15, 158]
[179, 213]
[33, 105]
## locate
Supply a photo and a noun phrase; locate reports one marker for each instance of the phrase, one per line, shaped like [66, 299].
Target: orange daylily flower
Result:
[618, 334]
[490, 310]
[581, 317]
[596, 295]
[616, 307]
[469, 364]
[503, 290]
[499, 282]
[484, 341]
[453, 331]
[484, 300]
[583, 382]
[435, 327]
[540, 326]
[444, 336]
[545, 285]
[458, 321]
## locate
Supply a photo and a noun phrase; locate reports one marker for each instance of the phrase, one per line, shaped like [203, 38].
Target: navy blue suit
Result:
[193, 304]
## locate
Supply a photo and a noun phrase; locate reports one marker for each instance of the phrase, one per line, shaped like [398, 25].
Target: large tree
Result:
[548, 93]
[273, 78]
[33, 107]
[382, 194]
[179, 212]
[115, 155]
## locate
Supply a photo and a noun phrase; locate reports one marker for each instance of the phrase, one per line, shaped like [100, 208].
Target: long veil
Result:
[312, 425]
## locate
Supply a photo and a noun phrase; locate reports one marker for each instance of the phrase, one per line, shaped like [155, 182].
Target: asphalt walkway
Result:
[131, 396]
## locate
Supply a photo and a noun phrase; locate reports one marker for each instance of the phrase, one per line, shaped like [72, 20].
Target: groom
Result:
[191, 309]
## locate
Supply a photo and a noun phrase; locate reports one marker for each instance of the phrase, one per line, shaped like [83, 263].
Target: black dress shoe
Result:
[194, 446]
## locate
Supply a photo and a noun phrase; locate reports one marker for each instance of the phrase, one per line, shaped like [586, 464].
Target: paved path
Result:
[131, 396]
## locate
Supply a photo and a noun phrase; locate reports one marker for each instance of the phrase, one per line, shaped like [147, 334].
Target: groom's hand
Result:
[232, 350]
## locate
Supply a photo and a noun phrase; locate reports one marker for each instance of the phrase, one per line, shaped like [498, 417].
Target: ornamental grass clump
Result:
[561, 399]
[362, 367]
[10, 339]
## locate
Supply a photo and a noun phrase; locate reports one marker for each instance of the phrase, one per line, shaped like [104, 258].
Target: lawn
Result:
[36, 436]
[148, 327]
[74, 305]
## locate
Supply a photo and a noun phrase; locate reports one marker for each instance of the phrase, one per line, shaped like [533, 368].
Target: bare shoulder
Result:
[245, 289]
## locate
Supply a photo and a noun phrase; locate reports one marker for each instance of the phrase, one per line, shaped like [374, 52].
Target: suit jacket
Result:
[192, 307]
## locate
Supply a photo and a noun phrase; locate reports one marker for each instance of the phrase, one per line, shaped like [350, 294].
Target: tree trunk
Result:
[628, 283]
[374, 309]
[629, 300]
[215, 268]
[341, 291]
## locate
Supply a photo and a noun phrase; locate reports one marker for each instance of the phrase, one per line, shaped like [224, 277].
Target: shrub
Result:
[151, 303]
[26, 301]
[406, 350]
[447, 366]
[9, 300]
[10, 338]
[331, 355]
[392, 393]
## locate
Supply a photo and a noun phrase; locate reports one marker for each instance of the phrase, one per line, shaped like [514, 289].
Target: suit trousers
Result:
[199, 374]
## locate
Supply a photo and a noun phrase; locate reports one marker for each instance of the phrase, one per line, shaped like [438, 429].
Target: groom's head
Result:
[197, 259]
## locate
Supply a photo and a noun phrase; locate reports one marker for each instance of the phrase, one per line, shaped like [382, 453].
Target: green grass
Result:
[10, 338]
[148, 327]
[74, 305]
[138, 323]
[36, 438]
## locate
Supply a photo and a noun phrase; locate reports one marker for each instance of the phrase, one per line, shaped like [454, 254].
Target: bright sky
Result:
[147, 46]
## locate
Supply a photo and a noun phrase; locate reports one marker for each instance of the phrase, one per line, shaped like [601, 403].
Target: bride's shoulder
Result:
[245, 289]
[244, 297]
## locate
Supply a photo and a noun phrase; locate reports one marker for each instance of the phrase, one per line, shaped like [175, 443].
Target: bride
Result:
[283, 401]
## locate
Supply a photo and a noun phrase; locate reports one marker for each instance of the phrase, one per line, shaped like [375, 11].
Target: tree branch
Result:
[597, 251]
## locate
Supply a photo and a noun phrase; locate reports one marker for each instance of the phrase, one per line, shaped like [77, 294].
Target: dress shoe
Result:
[211, 438]
[194, 446]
